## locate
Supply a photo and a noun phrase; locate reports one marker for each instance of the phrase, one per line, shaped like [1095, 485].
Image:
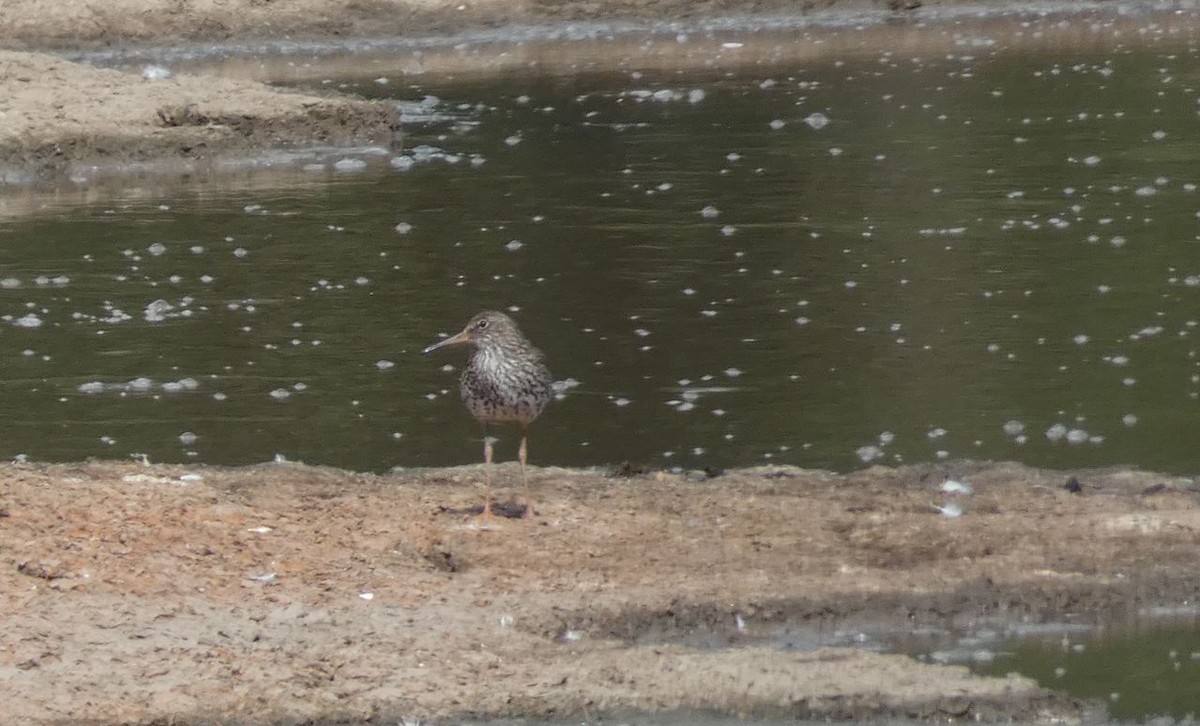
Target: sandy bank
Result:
[144, 594]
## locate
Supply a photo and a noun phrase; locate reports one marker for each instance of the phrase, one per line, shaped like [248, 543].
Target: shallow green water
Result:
[971, 240]
[1141, 672]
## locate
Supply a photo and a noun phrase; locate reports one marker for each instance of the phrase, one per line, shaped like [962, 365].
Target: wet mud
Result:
[289, 593]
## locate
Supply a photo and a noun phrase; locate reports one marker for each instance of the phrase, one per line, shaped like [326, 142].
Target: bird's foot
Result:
[484, 520]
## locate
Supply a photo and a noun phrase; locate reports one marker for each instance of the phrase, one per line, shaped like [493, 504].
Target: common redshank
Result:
[506, 381]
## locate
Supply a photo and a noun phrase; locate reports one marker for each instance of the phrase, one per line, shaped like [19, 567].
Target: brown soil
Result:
[141, 594]
[88, 24]
[55, 112]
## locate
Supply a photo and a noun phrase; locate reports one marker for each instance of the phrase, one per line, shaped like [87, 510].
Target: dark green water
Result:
[1141, 672]
[973, 239]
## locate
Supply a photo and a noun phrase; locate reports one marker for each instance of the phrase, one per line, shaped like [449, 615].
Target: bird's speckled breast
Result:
[498, 388]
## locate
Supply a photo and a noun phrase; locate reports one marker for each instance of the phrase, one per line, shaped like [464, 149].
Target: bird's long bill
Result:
[460, 339]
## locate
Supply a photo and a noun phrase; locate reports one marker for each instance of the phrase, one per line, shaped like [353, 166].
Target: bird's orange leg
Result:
[487, 476]
[524, 476]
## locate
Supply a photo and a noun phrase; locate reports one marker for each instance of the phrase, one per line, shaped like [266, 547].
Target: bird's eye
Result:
[481, 324]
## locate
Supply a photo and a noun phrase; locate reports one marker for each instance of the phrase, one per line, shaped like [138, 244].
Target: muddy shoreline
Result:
[64, 119]
[286, 593]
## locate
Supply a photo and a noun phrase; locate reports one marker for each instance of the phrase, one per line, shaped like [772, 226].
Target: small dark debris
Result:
[628, 469]
[1073, 486]
[4, 512]
[779, 475]
[38, 570]
[712, 472]
[442, 558]
[508, 510]
[1158, 488]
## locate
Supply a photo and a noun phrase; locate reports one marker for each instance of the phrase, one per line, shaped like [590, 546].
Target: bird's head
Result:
[489, 328]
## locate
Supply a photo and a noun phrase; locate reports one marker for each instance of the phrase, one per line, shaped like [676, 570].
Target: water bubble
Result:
[156, 311]
[869, 453]
[349, 165]
[1056, 432]
[403, 227]
[816, 121]
[187, 438]
[710, 212]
